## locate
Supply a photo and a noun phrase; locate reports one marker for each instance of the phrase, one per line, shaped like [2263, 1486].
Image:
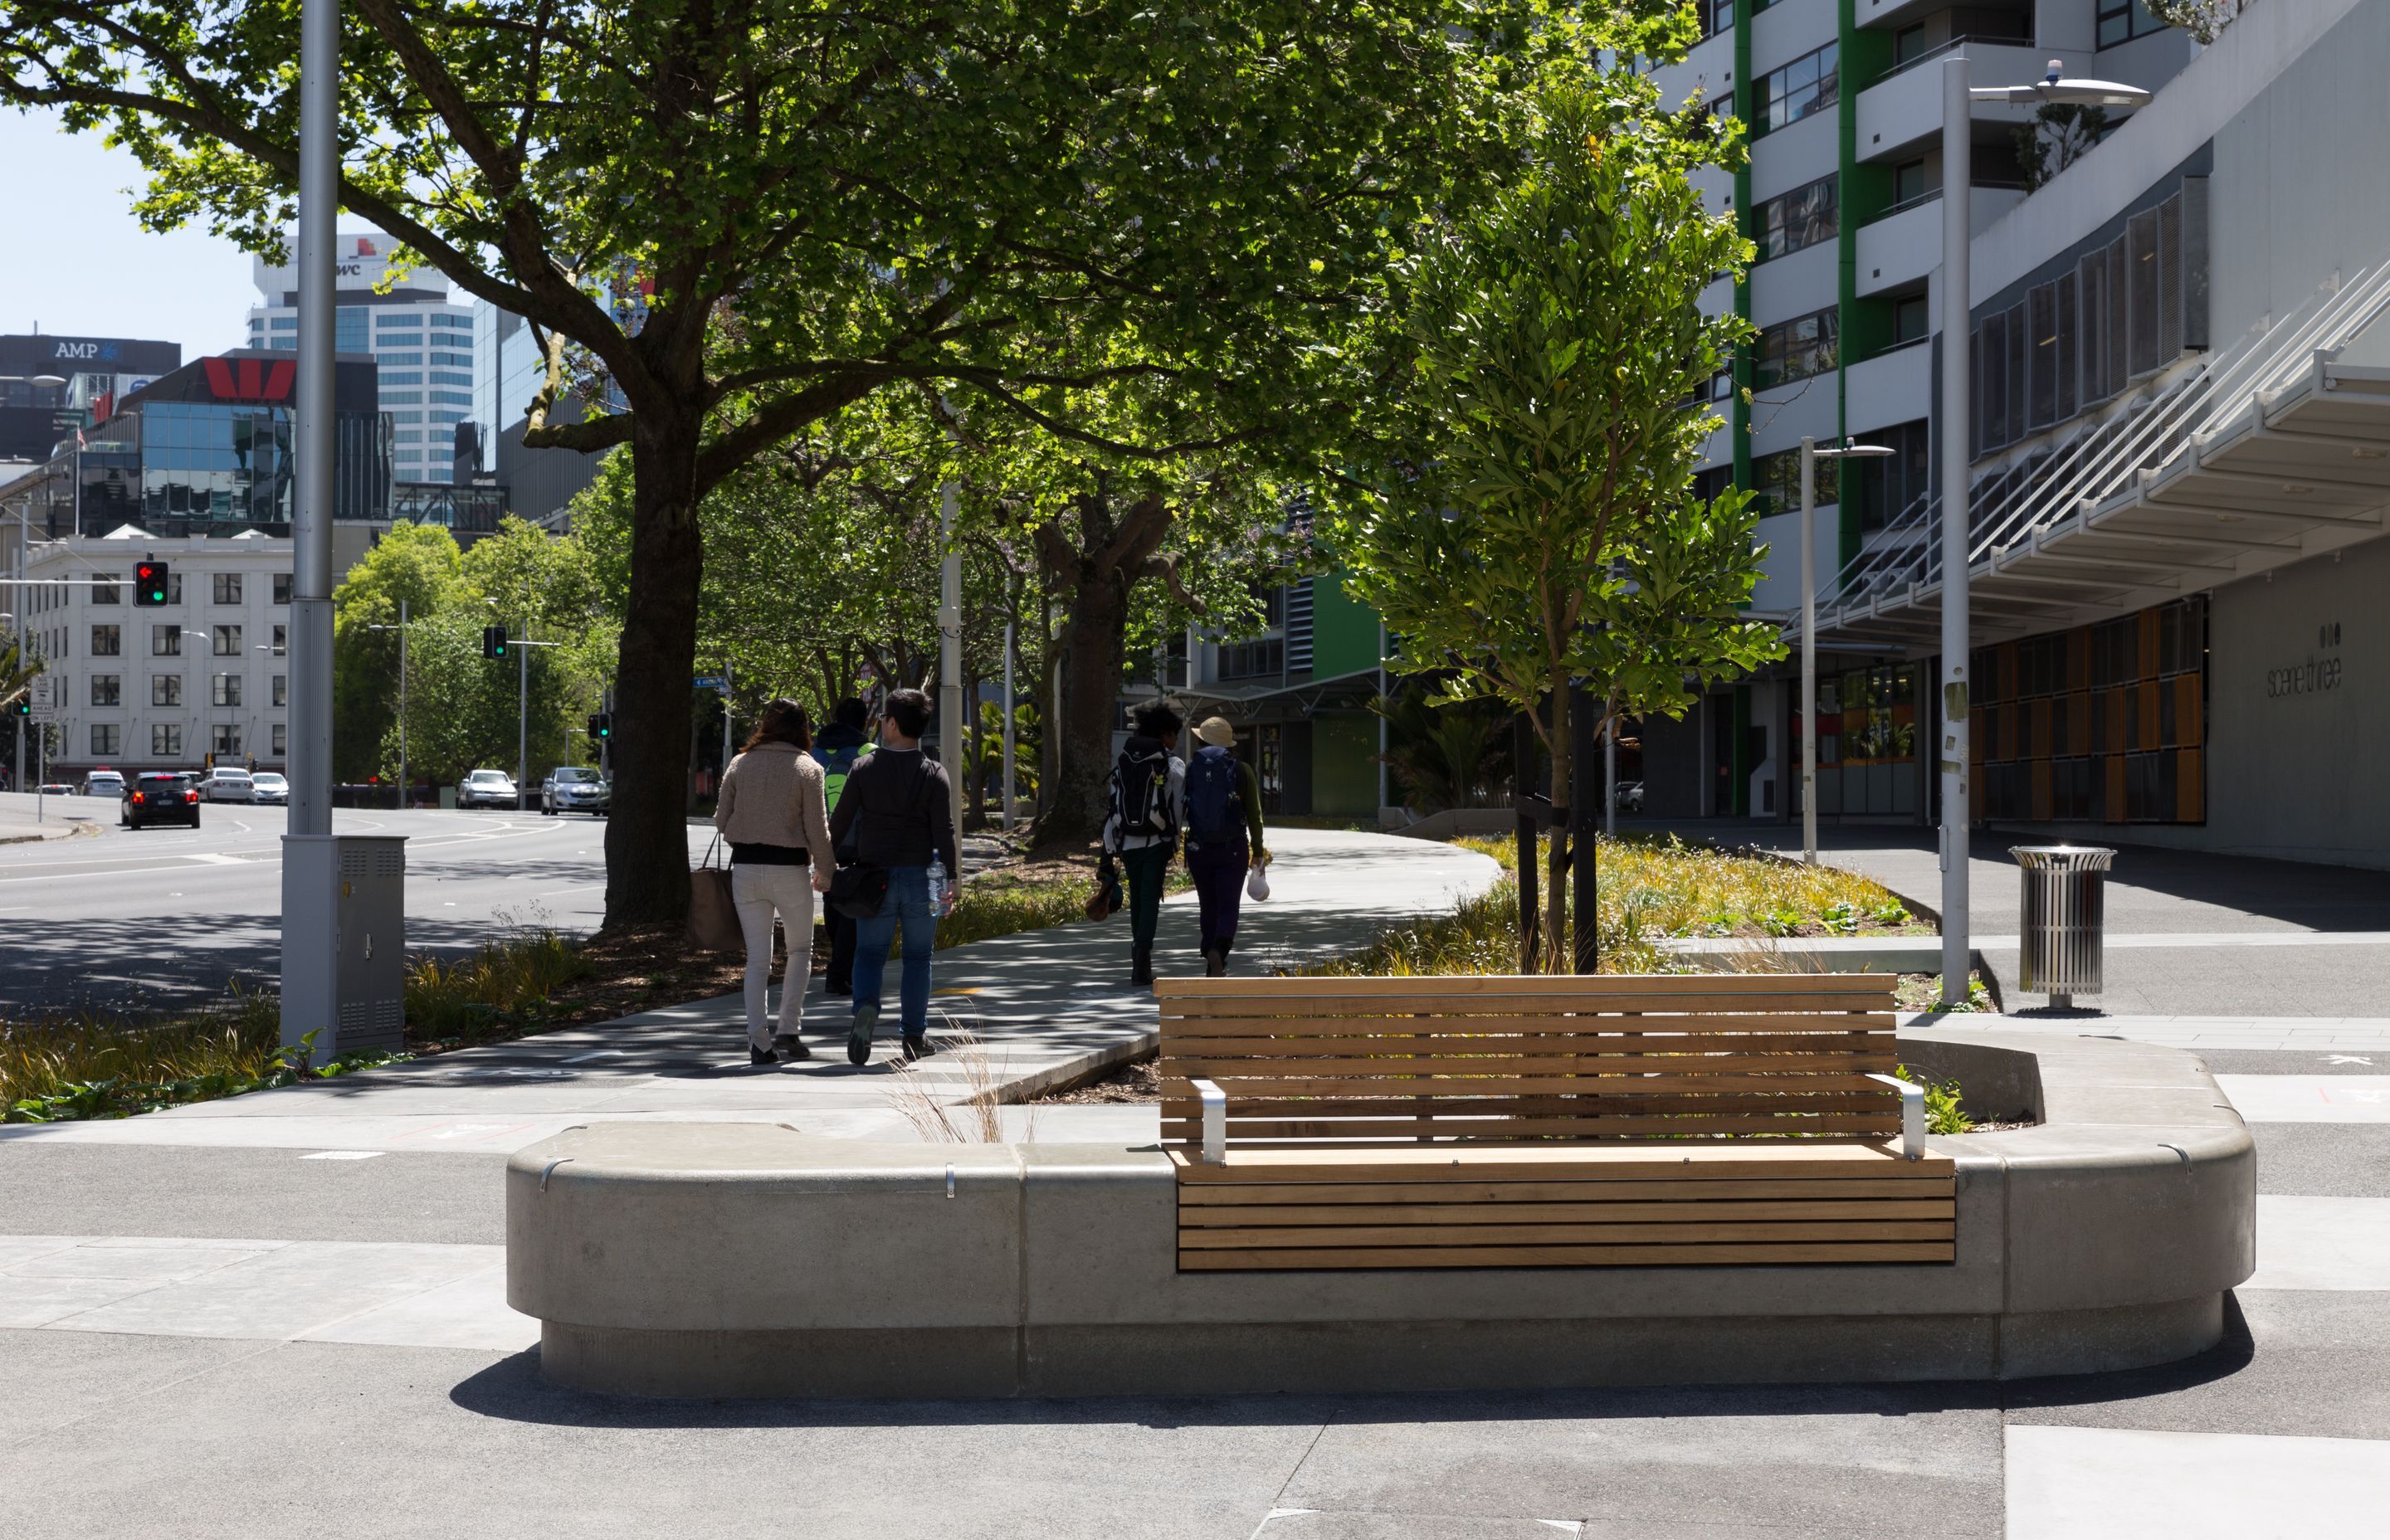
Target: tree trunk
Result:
[1558, 953]
[1094, 646]
[647, 832]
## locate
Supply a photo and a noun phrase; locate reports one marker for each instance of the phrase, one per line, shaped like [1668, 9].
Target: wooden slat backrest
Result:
[1326, 1060]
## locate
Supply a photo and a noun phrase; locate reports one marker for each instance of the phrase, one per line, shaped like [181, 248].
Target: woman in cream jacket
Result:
[773, 813]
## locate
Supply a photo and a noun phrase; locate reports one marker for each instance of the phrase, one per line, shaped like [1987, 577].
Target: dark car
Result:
[159, 797]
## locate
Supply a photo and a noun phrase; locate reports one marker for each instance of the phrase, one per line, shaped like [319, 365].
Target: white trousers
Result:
[758, 892]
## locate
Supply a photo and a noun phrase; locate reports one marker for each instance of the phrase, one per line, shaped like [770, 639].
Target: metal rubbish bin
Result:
[2065, 918]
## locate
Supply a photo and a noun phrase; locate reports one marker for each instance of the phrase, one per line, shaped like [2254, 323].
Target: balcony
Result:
[1898, 250]
[1889, 389]
[1901, 114]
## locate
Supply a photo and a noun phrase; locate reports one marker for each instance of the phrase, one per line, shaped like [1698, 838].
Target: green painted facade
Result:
[1345, 766]
[1343, 629]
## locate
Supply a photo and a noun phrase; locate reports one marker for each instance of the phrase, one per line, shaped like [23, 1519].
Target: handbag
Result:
[712, 915]
[1257, 884]
[1105, 901]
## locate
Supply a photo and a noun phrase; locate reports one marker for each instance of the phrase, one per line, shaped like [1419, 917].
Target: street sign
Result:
[710, 682]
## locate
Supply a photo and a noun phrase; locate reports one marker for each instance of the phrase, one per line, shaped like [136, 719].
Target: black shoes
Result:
[1216, 962]
[760, 1056]
[1140, 966]
[787, 1047]
[917, 1045]
[839, 989]
[858, 1036]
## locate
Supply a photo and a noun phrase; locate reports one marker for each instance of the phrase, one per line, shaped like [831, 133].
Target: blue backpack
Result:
[1214, 816]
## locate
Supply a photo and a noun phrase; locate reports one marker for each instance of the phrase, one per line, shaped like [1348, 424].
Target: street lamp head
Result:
[1857, 452]
[47, 380]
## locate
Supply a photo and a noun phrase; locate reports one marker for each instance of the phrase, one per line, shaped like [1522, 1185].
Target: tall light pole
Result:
[1810, 456]
[1958, 150]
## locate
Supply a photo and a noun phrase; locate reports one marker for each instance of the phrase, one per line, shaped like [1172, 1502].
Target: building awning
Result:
[1344, 690]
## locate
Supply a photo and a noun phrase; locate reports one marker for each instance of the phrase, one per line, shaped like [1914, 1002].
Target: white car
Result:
[486, 789]
[227, 786]
[267, 787]
[104, 783]
[574, 789]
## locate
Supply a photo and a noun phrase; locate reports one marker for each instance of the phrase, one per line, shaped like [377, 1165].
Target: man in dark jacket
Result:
[899, 809]
[1142, 824]
[836, 747]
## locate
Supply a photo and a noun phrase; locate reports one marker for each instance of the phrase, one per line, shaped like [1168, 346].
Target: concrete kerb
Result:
[673, 1259]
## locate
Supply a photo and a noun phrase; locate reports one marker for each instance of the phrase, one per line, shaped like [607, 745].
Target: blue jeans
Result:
[908, 900]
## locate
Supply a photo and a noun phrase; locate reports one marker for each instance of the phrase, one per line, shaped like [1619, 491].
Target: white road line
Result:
[2309, 1099]
[2335, 1244]
[2108, 1483]
[346, 1155]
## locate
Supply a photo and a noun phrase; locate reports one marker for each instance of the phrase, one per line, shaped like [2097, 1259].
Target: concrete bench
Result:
[1539, 1122]
[753, 1259]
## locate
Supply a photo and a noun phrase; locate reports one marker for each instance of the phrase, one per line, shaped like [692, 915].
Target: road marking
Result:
[213, 859]
[601, 1053]
[2346, 1059]
[2098, 1484]
[346, 1155]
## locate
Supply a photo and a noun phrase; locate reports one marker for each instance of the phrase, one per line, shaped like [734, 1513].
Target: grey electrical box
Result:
[344, 941]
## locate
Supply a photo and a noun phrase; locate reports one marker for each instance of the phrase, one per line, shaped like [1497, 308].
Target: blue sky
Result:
[74, 259]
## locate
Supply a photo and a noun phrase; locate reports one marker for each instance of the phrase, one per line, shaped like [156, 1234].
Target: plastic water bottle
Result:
[937, 884]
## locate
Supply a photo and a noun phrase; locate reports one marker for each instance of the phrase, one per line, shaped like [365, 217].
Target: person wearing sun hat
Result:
[1223, 820]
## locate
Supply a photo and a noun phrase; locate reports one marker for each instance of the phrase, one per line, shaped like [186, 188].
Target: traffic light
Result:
[602, 727]
[22, 705]
[149, 584]
[493, 641]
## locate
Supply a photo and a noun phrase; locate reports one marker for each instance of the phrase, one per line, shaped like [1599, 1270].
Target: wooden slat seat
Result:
[1610, 1121]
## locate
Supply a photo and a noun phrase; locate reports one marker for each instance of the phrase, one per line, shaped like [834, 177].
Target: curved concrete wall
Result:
[743, 1259]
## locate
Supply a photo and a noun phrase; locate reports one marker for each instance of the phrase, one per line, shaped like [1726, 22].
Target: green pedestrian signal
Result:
[493, 641]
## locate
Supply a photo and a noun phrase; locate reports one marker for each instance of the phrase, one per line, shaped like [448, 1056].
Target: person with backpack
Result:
[1142, 824]
[896, 815]
[1224, 836]
[836, 749]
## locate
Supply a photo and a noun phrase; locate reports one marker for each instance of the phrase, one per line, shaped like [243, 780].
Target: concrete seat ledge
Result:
[753, 1260]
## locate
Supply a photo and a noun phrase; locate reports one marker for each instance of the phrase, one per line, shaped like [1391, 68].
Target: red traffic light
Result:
[149, 584]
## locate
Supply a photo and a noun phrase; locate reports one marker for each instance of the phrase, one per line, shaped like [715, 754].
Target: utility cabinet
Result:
[344, 941]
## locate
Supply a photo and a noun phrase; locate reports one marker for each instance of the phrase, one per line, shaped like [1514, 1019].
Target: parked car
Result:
[159, 797]
[55, 789]
[224, 785]
[103, 783]
[574, 789]
[486, 789]
[1630, 796]
[267, 787]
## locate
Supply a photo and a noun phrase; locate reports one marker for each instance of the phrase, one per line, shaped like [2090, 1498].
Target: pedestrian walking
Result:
[772, 811]
[1223, 836]
[896, 814]
[838, 747]
[1141, 823]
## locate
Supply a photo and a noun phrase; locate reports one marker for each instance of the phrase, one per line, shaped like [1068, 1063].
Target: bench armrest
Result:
[1216, 1122]
[1912, 1115]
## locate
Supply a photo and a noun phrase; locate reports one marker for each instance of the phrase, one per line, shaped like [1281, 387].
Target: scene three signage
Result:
[2313, 675]
[250, 379]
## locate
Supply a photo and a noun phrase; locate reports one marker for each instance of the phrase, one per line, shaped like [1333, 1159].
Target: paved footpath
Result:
[286, 1319]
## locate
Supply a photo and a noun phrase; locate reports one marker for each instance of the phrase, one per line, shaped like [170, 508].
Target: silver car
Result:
[574, 789]
[486, 789]
[227, 786]
[267, 787]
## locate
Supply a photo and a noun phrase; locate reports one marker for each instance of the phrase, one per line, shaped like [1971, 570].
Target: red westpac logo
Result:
[250, 379]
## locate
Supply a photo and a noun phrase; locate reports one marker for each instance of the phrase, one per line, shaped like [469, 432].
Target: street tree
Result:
[723, 220]
[419, 564]
[1541, 529]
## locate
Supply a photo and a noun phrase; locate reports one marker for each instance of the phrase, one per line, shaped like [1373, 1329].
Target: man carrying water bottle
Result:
[896, 814]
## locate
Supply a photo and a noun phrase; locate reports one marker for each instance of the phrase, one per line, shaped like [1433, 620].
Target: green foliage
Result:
[1943, 1112]
[1451, 755]
[74, 1065]
[500, 990]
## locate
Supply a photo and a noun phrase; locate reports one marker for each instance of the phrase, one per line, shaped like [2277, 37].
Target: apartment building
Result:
[2172, 424]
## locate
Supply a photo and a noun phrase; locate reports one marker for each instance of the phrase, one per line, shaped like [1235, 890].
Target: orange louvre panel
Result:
[2189, 730]
[2190, 788]
[2148, 623]
[2147, 735]
[2112, 769]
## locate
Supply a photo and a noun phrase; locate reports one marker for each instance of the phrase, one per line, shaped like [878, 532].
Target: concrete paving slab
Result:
[2272, 1061]
[2315, 1160]
[1817, 1460]
[2099, 1483]
[1313, 1524]
[2322, 1243]
[15, 1249]
[162, 1261]
[276, 1194]
[27, 1302]
[471, 1312]
[299, 1287]
[2309, 1099]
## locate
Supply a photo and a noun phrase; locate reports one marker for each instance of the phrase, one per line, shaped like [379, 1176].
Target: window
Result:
[1796, 348]
[402, 398]
[1807, 86]
[2122, 20]
[1909, 320]
[281, 643]
[282, 689]
[453, 398]
[281, 740]
[1777, 479]
[105, 590]
[165, 690]
[1909, 42]
[282, 588]
[227, 587]
[107, 640]
[286, 322]
[402, 376]
[408, 360]
[1253, 659]
[1717, 16]
[108, 689]
[1909, 183]
[226, 690]
[227, 737]
[165, 641]
[227, 641]
[173, 587]
[1887, 487]
[165, 740]
[1802, 217]
[106, 737]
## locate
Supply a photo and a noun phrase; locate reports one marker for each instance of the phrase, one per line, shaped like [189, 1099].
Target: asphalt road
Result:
[149, 917]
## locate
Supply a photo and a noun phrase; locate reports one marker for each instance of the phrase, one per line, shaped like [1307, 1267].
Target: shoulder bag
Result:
[712, 917]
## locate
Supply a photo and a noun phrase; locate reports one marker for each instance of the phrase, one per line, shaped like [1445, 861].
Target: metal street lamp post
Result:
[1810, 456]
[1951, 754]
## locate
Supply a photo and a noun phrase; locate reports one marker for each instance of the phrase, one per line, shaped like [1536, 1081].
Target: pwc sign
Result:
[258, 380]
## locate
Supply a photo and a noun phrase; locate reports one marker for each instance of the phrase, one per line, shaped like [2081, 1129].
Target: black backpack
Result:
[1141, 796]
[1214, 811]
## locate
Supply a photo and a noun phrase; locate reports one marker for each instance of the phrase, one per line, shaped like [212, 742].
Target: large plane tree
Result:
[725, 220]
